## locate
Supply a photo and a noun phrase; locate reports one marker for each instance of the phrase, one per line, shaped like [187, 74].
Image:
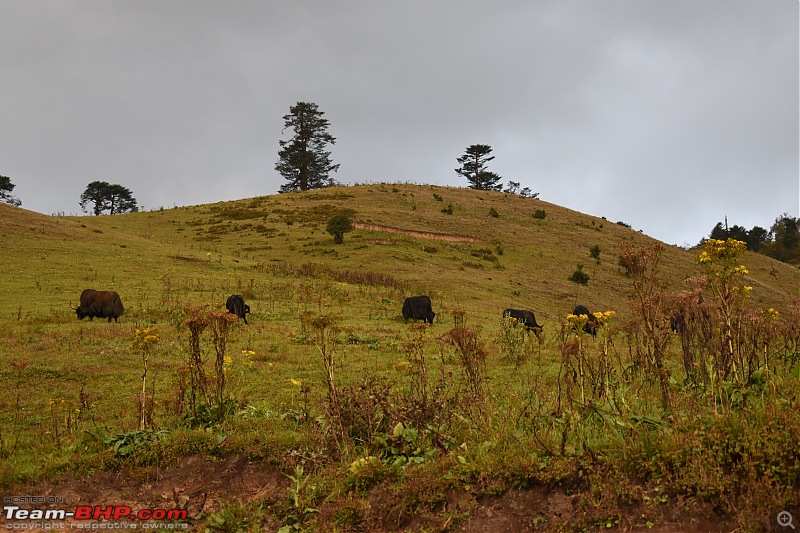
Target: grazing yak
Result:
[236, 305]
[101, 304]
[526, 318]
[677, 323]
[687, 312]
[592, 324]
[690, 318]
[418, 308]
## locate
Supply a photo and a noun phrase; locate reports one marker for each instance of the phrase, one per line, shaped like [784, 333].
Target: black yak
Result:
[526, 318]
[592, 324]
[418, 308]
[236, 305]
[101, 304]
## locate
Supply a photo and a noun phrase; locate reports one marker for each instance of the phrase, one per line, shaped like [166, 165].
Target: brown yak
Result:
[101, 304]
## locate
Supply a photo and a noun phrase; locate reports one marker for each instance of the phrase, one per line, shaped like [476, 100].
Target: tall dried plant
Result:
[652, 319]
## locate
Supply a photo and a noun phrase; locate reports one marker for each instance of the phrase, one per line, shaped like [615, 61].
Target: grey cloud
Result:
[668, 115]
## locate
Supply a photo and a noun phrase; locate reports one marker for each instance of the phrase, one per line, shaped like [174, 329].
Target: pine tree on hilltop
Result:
[303, 161]
[473, 167]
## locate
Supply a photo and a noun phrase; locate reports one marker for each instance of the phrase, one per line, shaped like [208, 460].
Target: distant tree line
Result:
[781, 242]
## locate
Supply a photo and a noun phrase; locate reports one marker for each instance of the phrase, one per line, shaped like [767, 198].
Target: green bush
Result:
[338, 225]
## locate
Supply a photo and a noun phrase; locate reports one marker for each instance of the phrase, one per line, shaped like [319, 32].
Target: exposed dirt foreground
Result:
[197, 484]
[202, 487]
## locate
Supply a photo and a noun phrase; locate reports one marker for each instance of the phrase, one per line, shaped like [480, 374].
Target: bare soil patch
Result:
[203, 486]
[192, 260]
[419, 234]
[197, 484]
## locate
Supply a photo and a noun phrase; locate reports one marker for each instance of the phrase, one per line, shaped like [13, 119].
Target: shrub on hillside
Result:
[338, 225]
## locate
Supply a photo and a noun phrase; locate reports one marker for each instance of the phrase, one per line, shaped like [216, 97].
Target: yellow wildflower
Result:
[359, 464]
[578, 320]
[770, 314]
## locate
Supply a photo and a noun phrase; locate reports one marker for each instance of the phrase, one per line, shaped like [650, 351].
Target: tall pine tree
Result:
[303, 160]
[473, 167]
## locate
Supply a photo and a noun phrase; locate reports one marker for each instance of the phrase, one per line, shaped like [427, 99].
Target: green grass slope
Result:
[73, 384]
[516, 261]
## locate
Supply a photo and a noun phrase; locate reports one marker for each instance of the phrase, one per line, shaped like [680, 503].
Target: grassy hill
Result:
[515, 261]
[74, 384]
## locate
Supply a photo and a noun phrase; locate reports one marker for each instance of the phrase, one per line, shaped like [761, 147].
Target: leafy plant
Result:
[236, 517]
[406, 445]
[301, 496]
[338, 225]
[126, 444]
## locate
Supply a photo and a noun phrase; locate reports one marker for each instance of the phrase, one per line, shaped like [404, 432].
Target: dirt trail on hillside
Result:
[420, 234]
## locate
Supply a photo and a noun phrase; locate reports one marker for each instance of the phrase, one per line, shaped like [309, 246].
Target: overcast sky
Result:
[667, 115]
